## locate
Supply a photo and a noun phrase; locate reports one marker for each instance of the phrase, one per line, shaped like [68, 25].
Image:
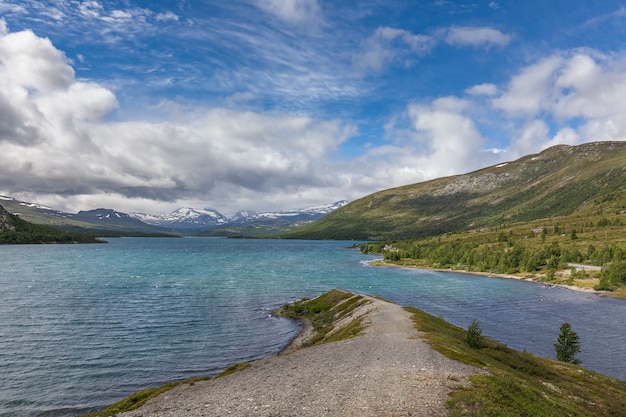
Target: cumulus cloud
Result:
[440, 138]
[54, 139]
[451, 137]
[568, 98]
[528, 92]
[476, 36]
[33, 63]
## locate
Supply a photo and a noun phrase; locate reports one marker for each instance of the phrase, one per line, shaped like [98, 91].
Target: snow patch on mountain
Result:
[184, 218]
[190, 218]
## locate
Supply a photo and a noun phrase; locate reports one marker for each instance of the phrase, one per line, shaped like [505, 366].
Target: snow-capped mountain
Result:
[107, 216]
[190, 219]
[17, 207]
[293, 215]
[184, 218]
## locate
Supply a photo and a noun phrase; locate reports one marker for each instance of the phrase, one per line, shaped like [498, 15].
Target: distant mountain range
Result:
[188, 221]
[205, 220]
[14, 230]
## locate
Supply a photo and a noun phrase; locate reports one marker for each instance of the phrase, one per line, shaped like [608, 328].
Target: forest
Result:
[537, 252]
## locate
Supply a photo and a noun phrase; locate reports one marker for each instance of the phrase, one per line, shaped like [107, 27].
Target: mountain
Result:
[35, 213]
[209, 222]
[247, 223]
[114, 220]
[560, 181]
[14, 230]
[292, 216]
[189, 221]
[6, 220]
[100, 222]
[184, 219]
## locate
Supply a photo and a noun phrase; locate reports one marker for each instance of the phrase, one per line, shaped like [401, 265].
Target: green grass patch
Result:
[324, 311]
[520, 384]
[139, 398]
[234, 368]
[351, 330]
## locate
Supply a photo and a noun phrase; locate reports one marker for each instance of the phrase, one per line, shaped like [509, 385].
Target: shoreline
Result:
[388, 369]
[381, 262]
[393, 367]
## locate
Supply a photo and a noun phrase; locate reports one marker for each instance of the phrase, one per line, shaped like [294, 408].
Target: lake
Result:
[83, 326]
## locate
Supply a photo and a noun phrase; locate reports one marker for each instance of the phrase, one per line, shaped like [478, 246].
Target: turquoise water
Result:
[83, 326]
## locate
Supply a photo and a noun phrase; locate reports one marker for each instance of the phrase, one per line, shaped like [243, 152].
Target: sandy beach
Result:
[388, 370]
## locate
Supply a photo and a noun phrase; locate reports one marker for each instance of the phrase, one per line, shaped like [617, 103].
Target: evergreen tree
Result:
[567, 345]
[474, 335]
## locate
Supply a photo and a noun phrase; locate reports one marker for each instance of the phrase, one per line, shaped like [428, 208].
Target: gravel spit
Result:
[386, 371]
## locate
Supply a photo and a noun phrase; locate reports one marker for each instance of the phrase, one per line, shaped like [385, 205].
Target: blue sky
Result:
[276, 104]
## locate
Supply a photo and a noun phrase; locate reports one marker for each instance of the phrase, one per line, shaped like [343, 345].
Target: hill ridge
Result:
[559, 181]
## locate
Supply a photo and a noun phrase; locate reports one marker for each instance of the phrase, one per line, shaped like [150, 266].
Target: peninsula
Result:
[363, 356]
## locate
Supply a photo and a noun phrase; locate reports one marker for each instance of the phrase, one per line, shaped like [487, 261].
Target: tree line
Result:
[506, 256]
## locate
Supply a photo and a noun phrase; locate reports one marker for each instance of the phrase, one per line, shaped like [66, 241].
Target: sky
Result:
[148, 106]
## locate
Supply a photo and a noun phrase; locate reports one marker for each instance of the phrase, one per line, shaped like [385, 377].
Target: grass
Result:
[323, 313]
[520, 384]
[234, 368]
[139, 398]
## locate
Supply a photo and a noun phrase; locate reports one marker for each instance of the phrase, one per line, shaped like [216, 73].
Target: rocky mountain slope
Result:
[560, 181]
[6, 221]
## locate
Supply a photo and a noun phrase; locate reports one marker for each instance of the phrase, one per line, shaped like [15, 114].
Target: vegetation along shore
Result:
[585, 254]
[364, 356]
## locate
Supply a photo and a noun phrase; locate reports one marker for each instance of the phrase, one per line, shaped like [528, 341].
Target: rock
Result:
[6, 220]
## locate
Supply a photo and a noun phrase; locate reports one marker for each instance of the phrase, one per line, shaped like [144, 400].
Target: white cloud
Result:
[580, 92]
[483, 90]
[54, 139]
[390, 45]
[476, 36]
[293, 11]
[451, 137]
[529, 91]
[90, 9]
[33, 63]
[167, 16]
[597, 20]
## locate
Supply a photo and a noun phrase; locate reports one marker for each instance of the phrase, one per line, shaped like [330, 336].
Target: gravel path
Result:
[387, 371]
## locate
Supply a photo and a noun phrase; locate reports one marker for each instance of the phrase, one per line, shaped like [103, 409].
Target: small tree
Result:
[567, 345]
[474, 336]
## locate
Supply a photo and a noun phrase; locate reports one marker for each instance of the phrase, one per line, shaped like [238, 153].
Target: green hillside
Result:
[14, 230]
[82, 222]
[584, 180]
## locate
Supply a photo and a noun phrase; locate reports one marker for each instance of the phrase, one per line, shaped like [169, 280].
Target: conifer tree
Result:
[567, 345]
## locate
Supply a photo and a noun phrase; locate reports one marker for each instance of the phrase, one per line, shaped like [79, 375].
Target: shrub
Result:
[474, 336]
